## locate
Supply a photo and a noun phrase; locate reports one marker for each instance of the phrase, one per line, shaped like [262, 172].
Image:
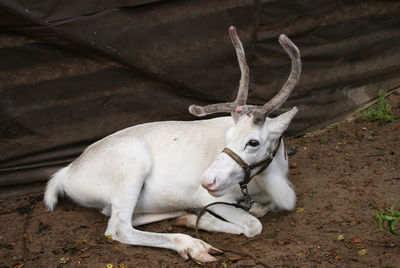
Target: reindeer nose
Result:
[210, 185]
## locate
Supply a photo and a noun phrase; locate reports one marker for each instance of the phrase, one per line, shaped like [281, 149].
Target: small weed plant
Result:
[388, 218]
[324, 140]
[381, 112]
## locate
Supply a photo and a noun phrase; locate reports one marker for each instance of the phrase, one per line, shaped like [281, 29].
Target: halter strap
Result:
[248, 168]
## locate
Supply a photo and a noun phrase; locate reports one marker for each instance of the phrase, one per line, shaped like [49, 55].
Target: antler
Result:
[239, 105]
[243, 84]
[273, 104]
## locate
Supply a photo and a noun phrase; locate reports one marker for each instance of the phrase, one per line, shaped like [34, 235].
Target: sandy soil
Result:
[342, 175]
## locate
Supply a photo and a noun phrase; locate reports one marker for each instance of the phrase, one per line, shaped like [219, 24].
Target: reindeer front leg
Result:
[249, 224]
[236, 221]
[208, 222]
[259, 210]
[123, 191]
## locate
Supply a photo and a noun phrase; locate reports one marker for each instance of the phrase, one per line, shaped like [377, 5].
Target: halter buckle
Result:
[246, 202]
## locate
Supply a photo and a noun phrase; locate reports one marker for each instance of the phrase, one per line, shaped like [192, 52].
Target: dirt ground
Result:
[342, 175]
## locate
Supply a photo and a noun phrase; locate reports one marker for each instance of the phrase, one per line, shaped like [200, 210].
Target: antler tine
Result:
[243, 84]
[244, 79]
[294, 53]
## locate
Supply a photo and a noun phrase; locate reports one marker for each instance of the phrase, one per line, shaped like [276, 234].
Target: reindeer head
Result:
[254, 135]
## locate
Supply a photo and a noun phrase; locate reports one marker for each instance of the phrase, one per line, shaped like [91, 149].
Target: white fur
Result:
[156, 171]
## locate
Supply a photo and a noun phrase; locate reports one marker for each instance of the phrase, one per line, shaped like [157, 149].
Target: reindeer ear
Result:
[278, 125]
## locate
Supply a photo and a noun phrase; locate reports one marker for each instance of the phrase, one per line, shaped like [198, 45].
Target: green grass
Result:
[324, 140]
[388, 218]
[270, 234]
[381, 112]
[314, 192]
[333, 125]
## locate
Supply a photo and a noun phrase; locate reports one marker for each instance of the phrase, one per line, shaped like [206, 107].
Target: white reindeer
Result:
[157, 171]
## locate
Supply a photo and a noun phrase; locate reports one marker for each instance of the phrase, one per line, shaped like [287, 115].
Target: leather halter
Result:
[262, 165]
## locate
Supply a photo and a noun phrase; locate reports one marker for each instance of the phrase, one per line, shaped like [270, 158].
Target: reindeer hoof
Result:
[196, 249]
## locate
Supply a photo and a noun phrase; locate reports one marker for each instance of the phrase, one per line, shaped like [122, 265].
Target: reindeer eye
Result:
[253, 143]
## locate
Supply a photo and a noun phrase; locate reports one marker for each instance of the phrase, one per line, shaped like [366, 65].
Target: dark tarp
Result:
[72, 72]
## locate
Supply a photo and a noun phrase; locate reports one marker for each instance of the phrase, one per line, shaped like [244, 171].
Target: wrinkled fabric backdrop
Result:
[72, 72]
